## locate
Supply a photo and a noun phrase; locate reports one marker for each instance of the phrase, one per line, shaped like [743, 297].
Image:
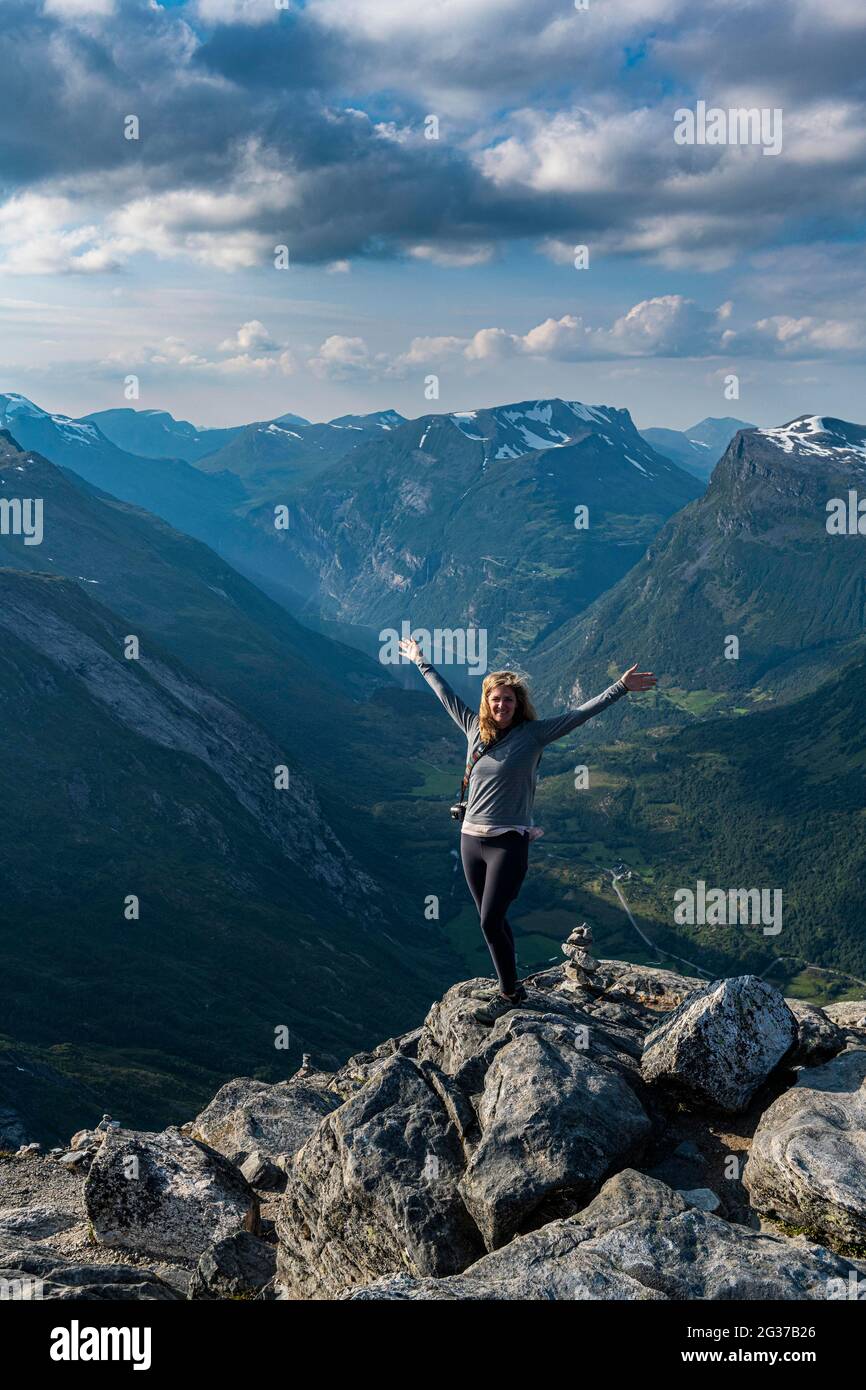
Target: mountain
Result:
[156, 434]
[170, 487]
[699, 449]
[155, 777]
[768, 799]
[273, 457]
[207, 505]
[469, 519]
[751, 559]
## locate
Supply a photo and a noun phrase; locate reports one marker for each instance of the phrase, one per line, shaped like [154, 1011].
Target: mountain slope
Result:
[156, 434]
[751, 559]
[771, 799]
[274, 456]
[127, 777]
[469, 519]
[698, 449]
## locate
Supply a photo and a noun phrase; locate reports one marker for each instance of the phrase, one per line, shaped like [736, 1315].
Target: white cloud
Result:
[236, 11]
[457, 257]
[341, 358]
[252, 335]
[77, 9]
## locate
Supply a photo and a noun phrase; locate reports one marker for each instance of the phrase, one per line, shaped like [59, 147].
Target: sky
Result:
[431, 169]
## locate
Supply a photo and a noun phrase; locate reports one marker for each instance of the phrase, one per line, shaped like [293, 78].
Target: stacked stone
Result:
[581, 963]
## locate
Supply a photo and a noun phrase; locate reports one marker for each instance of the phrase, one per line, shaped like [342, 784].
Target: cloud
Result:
[345, 359]
[252, 335]
[453, 257]
[667, 326]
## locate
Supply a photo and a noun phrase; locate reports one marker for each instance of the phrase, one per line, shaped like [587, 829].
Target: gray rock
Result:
[807, 1164]
[637, 1240]
[358, 1070]
[33, 1222]
[239, 1266]
[77, 1160]
[260, 1172]
[375, 1189]
[818, 1037]
[553, 1123]
[485, 1131]
[721, 1044]
[165, 1195]
[247, 1116]
[85, 1139]
[702, 1197]
[688, 1150]
[847, 1013]
[34, 1273]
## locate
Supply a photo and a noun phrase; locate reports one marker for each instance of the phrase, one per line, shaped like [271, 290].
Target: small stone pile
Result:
[83, 1146]
[581, 963]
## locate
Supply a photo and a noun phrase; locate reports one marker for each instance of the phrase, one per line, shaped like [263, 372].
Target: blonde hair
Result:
[525, 708]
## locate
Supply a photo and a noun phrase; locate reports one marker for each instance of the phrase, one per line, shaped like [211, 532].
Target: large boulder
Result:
[484, 1132]
[807, 1165]
[637, 1240]
[375, 1188]
[721, 1044]
[165, 1195]
[247, 1116]
[32, 1272]
[238, 1266]
[553, 1120]
[818, 1037]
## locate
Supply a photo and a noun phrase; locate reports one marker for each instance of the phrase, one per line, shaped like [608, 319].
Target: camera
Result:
[458, 811]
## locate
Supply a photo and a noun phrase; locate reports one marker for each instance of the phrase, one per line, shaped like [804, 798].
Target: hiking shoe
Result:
[500, 1004]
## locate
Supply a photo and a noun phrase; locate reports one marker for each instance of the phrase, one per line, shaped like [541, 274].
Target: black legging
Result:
[495, 867]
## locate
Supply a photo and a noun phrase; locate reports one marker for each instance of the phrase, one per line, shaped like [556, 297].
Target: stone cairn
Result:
[582, 965]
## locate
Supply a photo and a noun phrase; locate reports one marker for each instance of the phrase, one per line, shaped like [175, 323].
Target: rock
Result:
[375, 1189]
[688, 1150]
[247, 1116]
[721, 1044]
[637, 1240]
[818, 1037]
[661, 990]
[483, 1132]
[702, 1197]
[847, 1013]
[581, 963]
[238, 1266]
[553, 1122]
[807, 1164]
[358, 1070]
[165, 1195]
[33, 1222]
[261, 1172]
[36, 1273]
[77, 1160]
[85, 1139]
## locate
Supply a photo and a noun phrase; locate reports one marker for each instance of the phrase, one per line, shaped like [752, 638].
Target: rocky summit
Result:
[625, 1133]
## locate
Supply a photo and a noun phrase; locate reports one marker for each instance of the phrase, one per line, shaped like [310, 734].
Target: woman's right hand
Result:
[410, 649]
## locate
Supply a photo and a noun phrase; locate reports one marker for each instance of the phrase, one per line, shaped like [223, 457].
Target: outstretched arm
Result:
[550, 729]
[457, 708]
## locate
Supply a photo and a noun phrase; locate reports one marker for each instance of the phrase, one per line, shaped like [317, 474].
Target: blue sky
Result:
[410, 257]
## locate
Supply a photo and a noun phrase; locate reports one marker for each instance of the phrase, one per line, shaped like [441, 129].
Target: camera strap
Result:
[479, 753]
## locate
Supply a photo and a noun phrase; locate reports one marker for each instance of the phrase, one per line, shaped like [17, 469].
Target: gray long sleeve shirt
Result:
[502, 784]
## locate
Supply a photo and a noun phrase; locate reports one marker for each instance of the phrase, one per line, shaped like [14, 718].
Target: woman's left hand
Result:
[638, 680]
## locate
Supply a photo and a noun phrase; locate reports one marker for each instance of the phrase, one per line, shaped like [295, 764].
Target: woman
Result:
[505, 743]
